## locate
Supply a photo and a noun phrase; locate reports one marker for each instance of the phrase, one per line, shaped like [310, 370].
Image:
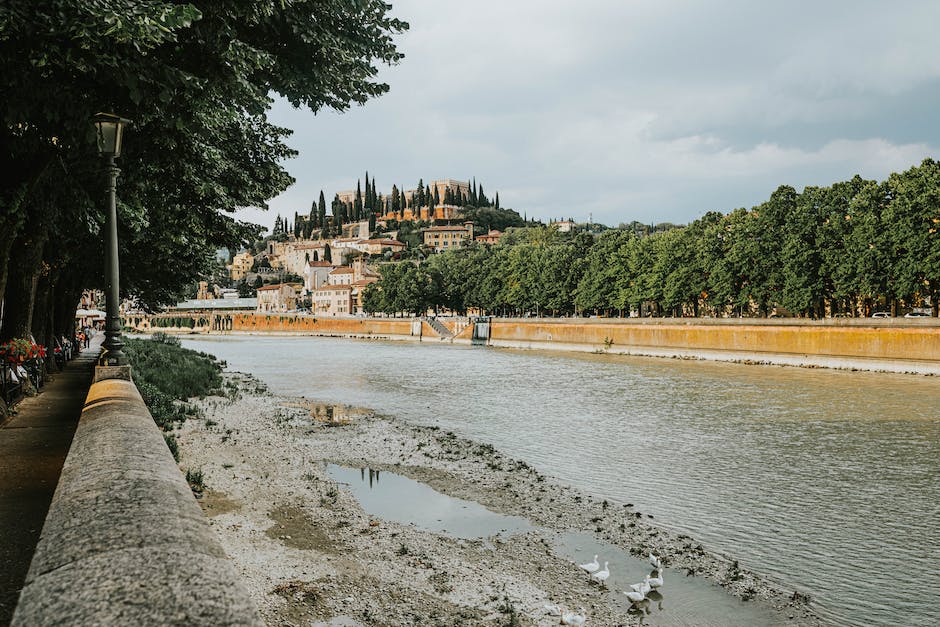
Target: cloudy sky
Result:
[624, 109]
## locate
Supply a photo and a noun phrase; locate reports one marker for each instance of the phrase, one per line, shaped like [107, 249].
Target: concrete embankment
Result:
[125, 542]
[890, 346]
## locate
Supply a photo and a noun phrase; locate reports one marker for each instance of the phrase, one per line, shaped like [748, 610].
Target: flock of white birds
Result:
[637, 594]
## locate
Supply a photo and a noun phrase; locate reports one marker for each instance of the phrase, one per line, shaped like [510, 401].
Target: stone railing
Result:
[125, 542]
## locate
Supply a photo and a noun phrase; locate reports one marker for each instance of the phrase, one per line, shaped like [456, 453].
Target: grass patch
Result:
[178, 372]
[167, 374]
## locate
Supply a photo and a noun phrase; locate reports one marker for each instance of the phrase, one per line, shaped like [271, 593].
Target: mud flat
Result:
[339, 516]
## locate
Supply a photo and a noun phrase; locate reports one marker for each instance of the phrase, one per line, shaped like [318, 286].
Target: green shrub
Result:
[195, 480]
[173, 445]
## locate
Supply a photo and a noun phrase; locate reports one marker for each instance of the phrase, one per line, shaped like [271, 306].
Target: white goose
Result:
[635, 596]
[655, 562]
[643, 587]
[590, 567]
[656, 582]
[601, 575]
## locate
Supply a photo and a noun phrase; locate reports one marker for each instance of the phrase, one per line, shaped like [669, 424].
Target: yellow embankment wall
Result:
[312, 325]
[794, 338]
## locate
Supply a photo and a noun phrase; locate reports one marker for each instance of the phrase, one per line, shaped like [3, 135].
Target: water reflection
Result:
[411, 502]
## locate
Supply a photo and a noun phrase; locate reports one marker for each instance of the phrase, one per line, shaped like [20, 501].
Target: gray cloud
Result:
[635, 110]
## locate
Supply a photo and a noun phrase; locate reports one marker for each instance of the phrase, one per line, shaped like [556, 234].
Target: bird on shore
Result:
[655, 562]
[590, 567]
[601, 575]
[643, 587]
[656, 582]
[635, 596]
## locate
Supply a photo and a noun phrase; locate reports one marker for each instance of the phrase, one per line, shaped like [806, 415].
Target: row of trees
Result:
[197, 78]
[850, 248]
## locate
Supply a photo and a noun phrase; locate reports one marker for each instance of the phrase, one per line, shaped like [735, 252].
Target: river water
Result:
[826, 481]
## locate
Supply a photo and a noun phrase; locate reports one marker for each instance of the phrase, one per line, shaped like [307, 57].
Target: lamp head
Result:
[109, 129]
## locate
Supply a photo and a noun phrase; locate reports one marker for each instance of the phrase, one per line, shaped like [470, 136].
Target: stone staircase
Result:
[439, 328]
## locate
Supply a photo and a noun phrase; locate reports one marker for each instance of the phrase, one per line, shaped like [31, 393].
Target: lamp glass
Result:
[109, 130]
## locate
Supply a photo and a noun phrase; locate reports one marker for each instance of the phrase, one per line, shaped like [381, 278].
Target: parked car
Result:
[881, 314]
[916, 314]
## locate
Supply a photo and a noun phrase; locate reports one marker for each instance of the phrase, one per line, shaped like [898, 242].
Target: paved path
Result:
[33, 446]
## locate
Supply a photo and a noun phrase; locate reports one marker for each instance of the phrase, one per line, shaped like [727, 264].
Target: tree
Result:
[327, 253]
[196, 80]
[396, 201]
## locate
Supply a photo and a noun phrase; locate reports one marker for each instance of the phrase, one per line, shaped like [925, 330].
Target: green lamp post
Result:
[109, 129]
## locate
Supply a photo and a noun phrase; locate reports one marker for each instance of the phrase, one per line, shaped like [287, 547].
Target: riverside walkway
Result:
[33, 447]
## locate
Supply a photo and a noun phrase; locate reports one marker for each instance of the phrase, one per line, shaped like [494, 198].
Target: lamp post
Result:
[109, 129]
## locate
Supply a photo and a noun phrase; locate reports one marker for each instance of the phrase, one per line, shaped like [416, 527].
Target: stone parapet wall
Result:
[322, 325]
[907, 340]
[125, 542]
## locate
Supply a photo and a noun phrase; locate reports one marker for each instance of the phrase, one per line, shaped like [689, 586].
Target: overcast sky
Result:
[649, 110]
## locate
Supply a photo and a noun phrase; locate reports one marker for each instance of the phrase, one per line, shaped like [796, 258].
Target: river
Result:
[826, 481]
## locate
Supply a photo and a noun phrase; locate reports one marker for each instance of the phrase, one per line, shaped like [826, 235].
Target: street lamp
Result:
[109, 129]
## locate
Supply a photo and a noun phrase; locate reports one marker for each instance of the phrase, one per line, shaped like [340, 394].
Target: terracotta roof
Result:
[342, 270]
[382, 242]
[271, 287]
[326, 288]
[363, 282]
[446, 228]
[320, 264]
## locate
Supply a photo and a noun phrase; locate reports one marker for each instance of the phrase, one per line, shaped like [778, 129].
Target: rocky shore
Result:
[311, 555]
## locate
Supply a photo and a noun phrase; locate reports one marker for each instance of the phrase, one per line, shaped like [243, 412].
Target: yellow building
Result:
[333, 300]
[447, 237]
[278, 298]
[241, 265]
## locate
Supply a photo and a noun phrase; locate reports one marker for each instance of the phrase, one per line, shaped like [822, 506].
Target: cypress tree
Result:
[474, 198]
[321, 214]
[327, 253]
[436, 198]
[497, 200]
[396, 202]
[357, 204]
[374, 195]
[418, 199]
[427, 194]
[368, 199]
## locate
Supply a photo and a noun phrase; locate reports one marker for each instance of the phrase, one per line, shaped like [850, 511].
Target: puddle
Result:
[680, 601]
[394, 497]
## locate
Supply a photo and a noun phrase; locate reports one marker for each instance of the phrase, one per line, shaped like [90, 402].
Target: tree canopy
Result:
[197, 79]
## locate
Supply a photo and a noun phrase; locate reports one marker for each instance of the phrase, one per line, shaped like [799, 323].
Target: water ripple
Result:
[824, 480]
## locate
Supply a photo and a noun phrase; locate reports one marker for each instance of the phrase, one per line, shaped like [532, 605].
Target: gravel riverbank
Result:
[310, 554]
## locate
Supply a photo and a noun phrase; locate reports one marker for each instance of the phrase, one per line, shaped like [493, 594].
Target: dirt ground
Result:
[311, 556]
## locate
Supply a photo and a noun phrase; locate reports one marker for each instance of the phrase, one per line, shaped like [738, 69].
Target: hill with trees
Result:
[851, 248]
